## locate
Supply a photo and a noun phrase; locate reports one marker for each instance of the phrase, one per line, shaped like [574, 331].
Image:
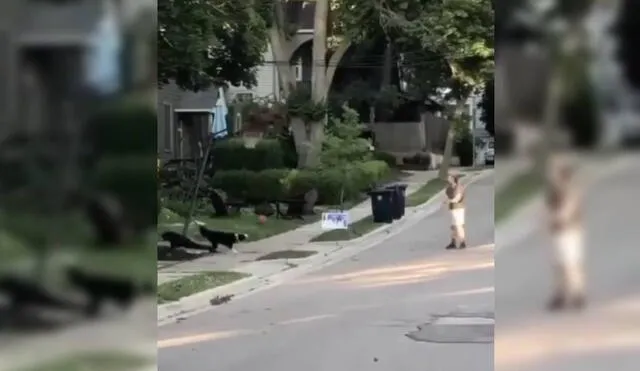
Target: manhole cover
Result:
[456, 328]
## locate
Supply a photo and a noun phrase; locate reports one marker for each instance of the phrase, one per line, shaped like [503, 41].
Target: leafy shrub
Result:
[343, 143]
[123, 128]
[232, 154]
[250, 185]
[290, 154]
[347, 181]
[334, 183]
[177, 207]
[132, 179]
[386, 157]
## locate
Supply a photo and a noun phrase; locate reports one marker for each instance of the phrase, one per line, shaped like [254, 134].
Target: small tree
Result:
[343, 144]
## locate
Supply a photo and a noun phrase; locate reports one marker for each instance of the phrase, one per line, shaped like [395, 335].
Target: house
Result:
[184, 116]
[57, 56]
[300, 13]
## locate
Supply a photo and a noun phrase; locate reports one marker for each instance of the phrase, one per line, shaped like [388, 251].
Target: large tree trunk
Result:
[281, 51]
[310, 146]
[308, 136]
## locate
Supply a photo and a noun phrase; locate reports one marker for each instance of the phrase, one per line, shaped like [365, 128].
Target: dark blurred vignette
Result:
[567, 179]
[78, 200]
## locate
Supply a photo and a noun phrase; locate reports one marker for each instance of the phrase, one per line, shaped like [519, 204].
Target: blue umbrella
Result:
[219, 126]
[103, 70]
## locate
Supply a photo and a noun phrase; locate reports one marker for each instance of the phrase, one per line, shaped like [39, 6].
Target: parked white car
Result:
[485, 153]
[489, 157]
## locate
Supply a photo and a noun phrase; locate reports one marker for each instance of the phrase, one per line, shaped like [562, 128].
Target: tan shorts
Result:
[457, 217]
[568, 246]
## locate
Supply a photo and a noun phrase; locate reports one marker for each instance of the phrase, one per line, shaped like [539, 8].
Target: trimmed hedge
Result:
[123, 128]
[267, 185]
[132, 179]
[232, 154]
[386, 157]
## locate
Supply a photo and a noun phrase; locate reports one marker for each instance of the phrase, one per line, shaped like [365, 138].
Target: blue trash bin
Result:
[381, 205]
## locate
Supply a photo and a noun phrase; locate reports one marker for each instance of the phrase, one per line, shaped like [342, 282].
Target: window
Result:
[168, 128]
[297, 70]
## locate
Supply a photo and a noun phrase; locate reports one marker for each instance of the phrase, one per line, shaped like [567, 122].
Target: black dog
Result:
[176, 239]
[100, 288]
[227, 239]
[23, 292]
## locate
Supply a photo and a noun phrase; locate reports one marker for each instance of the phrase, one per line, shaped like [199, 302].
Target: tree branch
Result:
[335, 59]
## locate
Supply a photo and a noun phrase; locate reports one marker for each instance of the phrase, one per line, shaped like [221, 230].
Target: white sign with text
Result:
[335, 220]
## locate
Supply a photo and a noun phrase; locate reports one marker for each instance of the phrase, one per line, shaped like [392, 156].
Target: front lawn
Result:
[193, 284]
[426, 192]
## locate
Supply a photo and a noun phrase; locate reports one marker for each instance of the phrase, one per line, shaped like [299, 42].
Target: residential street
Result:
[357, 314]
[607, 335]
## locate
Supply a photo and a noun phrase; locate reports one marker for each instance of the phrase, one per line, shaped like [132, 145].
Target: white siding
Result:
[267, 80]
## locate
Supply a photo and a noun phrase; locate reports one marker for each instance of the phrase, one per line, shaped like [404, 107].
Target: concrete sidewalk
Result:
[291, 240]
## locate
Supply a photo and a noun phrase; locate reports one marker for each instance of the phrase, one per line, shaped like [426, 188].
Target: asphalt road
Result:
[607, 335]
[356, 314]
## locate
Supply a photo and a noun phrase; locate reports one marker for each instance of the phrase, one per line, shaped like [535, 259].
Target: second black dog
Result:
[100, 288]
[176, 239]
[227, 239]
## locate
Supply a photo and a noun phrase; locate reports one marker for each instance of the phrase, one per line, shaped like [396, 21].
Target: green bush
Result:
[349, 181]
[233, 155]
[250, 185]
[132, 179]
[372, 172]
[123, 128]
[288, 146]
[332, 183]
[386, 157]
[177, 207]
[342, 143]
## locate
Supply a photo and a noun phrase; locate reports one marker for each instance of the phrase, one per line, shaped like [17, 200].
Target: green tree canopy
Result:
[203, 43]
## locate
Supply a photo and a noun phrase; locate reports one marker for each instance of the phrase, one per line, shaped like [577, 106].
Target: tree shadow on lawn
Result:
[244, 222]
[36, 320]
[166, 254]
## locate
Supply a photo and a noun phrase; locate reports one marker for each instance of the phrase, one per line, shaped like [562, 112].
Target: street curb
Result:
[200, 302]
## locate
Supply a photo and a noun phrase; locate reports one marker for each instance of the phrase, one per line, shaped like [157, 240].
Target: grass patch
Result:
[99, 361]
[287, 254]
[185, 286]
[245, 222]
[357, 229]
[426, 192]
[136, 262]
[167, 216]
[515, 193]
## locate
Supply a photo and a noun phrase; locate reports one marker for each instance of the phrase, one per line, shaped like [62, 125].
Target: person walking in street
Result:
[564, 205]
[455, 201]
